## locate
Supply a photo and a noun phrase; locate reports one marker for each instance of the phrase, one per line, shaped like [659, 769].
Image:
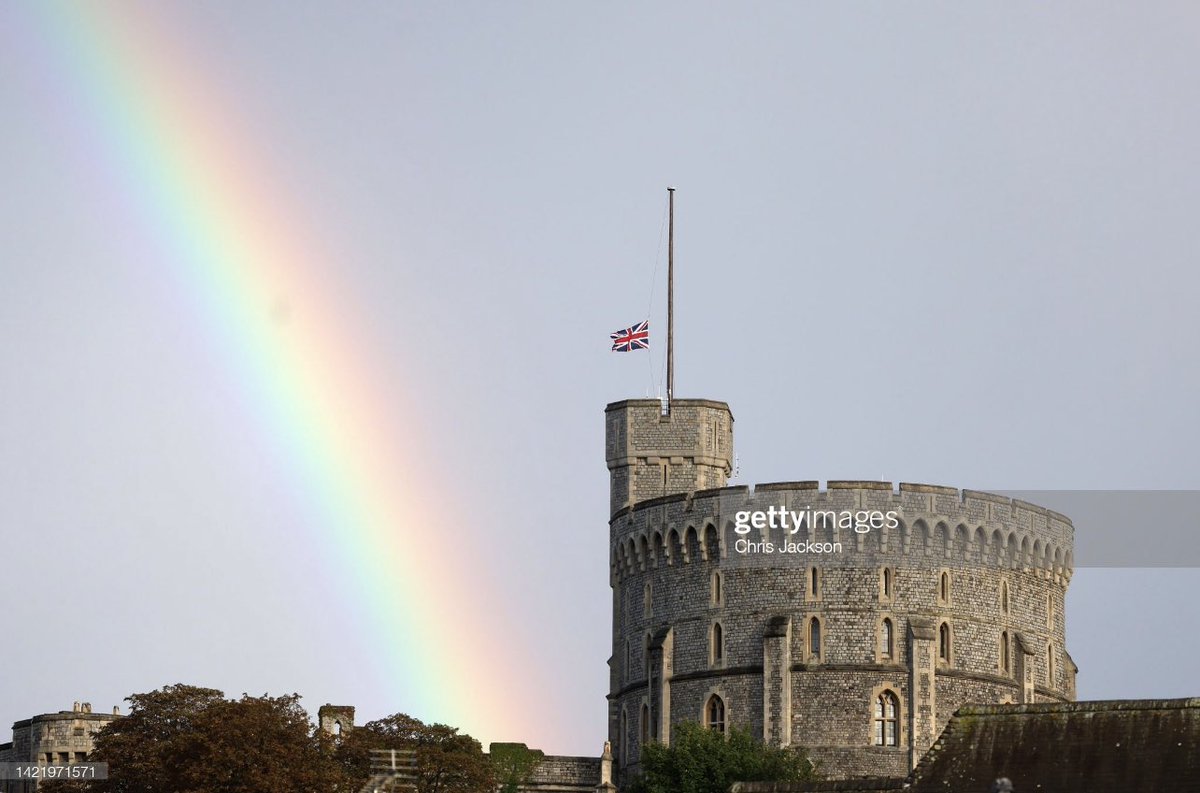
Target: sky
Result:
[304, 316]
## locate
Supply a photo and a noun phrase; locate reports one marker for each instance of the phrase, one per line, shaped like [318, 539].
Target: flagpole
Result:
[671, 300]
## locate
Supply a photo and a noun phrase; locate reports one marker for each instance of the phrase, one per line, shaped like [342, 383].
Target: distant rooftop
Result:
[1118, 746]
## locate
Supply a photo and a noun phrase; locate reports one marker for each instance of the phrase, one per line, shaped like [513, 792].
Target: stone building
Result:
[1124, 746]
[335, 719]
[61, 738]
[852, 620]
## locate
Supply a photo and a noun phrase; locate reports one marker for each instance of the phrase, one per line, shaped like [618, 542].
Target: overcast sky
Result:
[948, 243]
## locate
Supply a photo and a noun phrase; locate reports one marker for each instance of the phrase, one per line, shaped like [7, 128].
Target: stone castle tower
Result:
[335, 719]
[891, 607]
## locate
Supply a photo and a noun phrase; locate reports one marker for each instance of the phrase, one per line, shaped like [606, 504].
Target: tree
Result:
[447, 761]
[186, 739]
[513, 763]
[700, 760]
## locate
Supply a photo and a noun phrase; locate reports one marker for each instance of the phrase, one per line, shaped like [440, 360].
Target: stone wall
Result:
[677, 571]
[560, 774]
[653, 453]
[59, 738]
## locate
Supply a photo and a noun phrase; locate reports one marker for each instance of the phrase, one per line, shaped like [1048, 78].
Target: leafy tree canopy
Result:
[701, 760]
[513, 764]
[186, 739]
[447, 761]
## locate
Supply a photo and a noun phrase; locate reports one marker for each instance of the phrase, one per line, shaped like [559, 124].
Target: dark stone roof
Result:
[1121, 746]
[840, 786]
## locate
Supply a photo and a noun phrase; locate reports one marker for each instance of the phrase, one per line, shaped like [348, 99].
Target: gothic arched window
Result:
[645, 724]
[714, 714]
[887, 719]
[887, 639]
[944, 642]
[1004, 662]
[717, 642]
[814, 638]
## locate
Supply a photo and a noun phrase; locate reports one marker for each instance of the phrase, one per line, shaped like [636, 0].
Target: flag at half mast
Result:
[635, 338]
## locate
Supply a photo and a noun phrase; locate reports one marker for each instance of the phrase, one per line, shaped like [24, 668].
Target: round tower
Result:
[851, 620]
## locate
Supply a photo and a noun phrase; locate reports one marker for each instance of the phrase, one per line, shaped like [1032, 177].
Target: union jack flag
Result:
[635, 338]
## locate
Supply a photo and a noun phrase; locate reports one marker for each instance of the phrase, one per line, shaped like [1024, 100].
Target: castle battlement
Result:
[850, 617]
[934, 524]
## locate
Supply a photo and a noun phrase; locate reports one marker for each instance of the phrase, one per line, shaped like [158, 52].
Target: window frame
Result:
[887, 711]
[814, 656]
[945, 588]
[710, 723]
[885, 636]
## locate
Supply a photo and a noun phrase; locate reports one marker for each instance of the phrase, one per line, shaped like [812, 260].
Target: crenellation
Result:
[931, 643]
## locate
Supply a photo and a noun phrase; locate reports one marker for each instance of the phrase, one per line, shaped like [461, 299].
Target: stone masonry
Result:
[62, 738]
[860, 655]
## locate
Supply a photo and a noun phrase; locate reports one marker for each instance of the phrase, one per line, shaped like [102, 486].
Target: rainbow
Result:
[178, 159]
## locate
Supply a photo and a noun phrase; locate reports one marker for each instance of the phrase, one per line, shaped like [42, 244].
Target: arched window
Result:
[1004, 597]
[645, 724]
[716, 588]
[648, 601]
[714, 714]
[887, 719]
[1050, 665]
[944, 642]
[717, 644]
[944, 587]
[1004, 664]
[814, 582]
[887, 643]
[887, 583]
[1050, 610]
[814, 639]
